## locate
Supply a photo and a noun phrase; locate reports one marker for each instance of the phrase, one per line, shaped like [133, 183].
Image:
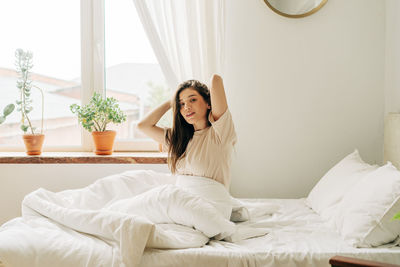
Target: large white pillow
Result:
[216, 194]
[364, 216]
[331, 188]
[174, 236]
[168, 204]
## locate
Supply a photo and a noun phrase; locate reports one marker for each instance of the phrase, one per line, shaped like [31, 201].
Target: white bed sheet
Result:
[298, 237]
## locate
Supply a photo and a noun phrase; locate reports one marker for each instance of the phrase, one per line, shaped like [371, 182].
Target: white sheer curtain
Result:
[187, 36]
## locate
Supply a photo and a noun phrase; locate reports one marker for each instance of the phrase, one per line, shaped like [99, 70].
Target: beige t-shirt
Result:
[209, 152]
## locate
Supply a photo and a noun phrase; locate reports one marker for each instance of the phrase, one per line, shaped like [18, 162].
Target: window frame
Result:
[93, 74]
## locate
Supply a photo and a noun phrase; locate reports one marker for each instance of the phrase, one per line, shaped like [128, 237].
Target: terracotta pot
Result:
[104, 142]
[33, 143]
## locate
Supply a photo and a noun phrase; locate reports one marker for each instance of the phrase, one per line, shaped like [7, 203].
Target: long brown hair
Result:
[182, 132]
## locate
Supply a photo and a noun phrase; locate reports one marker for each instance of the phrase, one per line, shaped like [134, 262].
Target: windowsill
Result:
[83, 158]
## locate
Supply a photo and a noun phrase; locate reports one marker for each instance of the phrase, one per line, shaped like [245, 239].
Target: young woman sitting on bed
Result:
[202, 137]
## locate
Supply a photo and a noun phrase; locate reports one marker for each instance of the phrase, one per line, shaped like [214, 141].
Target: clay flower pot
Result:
[104, 142]
[33, 143]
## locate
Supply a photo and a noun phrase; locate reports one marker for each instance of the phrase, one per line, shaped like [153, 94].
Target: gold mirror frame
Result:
[312, 11]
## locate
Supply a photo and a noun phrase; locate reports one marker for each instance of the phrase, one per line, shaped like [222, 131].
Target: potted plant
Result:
[33, 140]
[95, 116]
[6, 111]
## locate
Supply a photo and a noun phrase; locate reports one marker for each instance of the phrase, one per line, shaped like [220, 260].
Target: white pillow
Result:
[174, 236]
[216, 194]
[336, 182]
[171, 204]
[363, 217]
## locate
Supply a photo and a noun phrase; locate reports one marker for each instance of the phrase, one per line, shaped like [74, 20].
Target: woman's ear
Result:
[208, 106]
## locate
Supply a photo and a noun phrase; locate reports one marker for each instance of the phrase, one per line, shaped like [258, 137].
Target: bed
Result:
[79, 228]
[297, 237]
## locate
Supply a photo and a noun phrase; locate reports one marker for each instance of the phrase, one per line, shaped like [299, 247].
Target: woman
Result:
[201, 139]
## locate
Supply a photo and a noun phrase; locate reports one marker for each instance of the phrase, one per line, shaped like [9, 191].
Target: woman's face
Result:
[193, 108]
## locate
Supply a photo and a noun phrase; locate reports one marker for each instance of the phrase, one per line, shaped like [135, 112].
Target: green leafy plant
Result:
[7, 111]
[99, 112]
[396, 216]
[23, 63]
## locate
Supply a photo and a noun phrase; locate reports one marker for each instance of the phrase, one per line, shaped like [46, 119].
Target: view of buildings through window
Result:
[54, 39]
[132, 73]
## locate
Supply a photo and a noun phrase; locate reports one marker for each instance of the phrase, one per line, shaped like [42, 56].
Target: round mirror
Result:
[295, 8]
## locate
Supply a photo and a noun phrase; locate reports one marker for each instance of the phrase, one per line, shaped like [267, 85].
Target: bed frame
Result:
[340, 261]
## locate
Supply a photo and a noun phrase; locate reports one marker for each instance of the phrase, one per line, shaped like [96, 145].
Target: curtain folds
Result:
[187, 36]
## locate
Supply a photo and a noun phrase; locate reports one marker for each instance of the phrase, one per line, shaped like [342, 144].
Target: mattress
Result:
[297, 237]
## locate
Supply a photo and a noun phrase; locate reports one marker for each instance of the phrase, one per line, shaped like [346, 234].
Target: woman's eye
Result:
[193, 100]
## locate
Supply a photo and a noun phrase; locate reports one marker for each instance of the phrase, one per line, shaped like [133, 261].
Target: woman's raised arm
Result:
[218, 98]
[148, 124]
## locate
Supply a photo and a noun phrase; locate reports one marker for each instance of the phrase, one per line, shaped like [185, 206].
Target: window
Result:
[54, 39]
[117, 61]
[132, 73]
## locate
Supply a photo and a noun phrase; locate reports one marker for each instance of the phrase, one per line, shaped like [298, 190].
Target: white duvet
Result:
[112, 221]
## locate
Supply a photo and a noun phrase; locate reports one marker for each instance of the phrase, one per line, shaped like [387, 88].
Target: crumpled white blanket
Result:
[138, 209]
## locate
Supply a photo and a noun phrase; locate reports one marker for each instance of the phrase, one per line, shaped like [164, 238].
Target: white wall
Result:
[392, 67]
[392, 83]
[303, 92]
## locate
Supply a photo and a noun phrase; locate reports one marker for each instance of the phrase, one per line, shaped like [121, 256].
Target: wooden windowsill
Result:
[83, 158]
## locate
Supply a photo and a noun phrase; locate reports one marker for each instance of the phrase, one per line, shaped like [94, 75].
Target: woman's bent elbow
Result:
[141, 125]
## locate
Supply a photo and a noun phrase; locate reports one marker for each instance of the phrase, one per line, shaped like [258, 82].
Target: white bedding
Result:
[79, 228]
[297, 237]
[110, 222]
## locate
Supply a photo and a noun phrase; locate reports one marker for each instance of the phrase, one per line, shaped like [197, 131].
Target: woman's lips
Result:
[189, 115]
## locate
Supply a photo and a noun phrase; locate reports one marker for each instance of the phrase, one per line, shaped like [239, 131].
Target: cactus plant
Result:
[24, 65]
